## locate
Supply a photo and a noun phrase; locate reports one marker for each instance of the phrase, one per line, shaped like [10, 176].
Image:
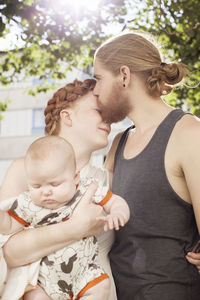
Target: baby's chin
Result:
[50, 204]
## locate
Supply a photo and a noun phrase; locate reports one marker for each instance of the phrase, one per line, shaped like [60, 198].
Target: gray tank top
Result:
[151, 248]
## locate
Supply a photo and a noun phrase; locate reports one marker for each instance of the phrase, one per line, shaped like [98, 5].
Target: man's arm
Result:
[190, 163]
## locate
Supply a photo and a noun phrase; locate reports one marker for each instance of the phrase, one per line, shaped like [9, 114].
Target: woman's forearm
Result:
[32, 244]
[5, 224]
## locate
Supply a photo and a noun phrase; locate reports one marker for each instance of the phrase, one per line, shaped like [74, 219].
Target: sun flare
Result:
[89, 4]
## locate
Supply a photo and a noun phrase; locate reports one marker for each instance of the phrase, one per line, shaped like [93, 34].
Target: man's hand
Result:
[194, 258]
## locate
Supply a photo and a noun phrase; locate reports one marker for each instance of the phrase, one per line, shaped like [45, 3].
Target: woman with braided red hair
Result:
[72, 114]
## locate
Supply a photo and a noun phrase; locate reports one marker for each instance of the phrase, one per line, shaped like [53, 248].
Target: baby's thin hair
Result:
[50, 146]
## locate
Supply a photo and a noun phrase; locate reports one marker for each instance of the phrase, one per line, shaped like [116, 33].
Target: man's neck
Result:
[148, 112]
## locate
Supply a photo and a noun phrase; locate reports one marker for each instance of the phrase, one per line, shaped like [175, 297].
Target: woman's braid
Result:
[61, 100]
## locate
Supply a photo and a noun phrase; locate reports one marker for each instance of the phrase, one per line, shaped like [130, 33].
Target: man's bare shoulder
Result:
[188, 128]
[185, 138]
[109, 163]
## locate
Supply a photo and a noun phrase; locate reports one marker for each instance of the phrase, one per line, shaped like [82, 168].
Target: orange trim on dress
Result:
[65, 219]
[20, 220]
[106, 199]
[91, 284]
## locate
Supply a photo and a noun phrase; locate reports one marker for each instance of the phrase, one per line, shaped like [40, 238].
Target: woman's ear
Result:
[125, 76]
[66, 117]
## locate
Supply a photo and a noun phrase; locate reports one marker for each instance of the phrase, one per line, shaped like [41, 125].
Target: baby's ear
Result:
[66, 117]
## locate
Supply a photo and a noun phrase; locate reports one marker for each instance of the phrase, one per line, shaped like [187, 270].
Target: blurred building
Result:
[23, 122]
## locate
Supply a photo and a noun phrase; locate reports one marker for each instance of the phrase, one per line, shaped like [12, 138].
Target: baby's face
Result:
[51, 185]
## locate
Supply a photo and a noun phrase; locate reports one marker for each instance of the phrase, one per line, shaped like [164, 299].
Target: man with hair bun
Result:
[155, 165]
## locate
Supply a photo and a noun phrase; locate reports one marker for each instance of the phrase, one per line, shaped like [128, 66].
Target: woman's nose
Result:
[95, 91]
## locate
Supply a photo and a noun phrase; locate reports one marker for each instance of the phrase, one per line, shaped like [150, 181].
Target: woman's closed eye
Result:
[98, 110]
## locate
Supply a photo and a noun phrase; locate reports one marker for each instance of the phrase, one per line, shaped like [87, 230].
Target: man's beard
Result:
[117, 106]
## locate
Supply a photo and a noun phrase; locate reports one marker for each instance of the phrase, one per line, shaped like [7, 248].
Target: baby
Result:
[72, 272]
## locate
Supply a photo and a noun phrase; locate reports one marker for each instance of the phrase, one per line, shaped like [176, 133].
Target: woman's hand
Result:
[86, 214]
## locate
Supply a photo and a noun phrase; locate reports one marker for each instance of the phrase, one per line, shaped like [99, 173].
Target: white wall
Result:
[16, 123]
[4, 164]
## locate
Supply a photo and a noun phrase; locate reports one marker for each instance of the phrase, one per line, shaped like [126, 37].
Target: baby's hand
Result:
[113, 221]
